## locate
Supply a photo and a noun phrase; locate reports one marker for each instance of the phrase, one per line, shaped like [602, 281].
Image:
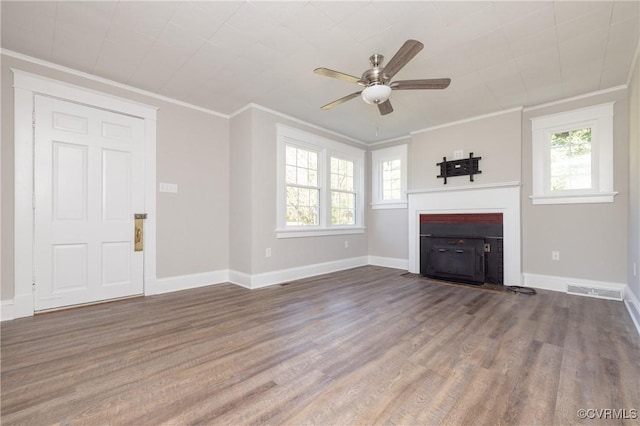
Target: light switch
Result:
[169, 187]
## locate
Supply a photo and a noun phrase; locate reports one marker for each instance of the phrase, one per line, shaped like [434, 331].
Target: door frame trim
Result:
[26, 85]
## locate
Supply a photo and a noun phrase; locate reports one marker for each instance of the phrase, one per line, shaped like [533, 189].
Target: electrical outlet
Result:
[458, 154]
[555, 255]
[346, 244]
[267, 252]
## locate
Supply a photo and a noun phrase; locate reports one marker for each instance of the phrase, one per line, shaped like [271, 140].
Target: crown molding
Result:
[295, 120]
[108, 82]
[634, 63]
[467, 120]
[399, 138]
[575, 98]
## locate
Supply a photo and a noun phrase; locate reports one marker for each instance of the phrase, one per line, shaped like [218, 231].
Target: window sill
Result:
[318, 232]
[596, 197]
[396, 205]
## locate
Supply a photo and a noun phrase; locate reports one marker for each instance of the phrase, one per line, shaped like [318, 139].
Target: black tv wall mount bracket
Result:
[463, 167]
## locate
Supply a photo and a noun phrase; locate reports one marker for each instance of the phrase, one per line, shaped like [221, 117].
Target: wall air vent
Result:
[602, 293]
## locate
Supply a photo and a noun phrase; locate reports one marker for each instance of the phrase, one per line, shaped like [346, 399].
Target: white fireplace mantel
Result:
[488, 198]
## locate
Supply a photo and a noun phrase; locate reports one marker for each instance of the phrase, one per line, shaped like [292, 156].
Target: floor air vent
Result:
[602, 293]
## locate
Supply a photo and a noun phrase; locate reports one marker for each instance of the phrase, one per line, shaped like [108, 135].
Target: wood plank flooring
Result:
[364, 346]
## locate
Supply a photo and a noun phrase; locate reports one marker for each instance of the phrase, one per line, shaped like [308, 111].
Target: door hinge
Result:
[33, 119]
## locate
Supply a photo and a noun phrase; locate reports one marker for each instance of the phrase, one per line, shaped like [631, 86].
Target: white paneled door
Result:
[89, 183]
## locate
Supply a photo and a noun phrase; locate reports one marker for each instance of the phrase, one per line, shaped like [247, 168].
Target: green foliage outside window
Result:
[571, 159]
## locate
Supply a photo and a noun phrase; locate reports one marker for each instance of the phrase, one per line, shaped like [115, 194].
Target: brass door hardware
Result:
[138, 231]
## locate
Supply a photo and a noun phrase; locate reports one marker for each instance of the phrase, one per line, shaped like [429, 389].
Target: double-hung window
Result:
[302, 190]
[389, 177]
[343, 192]
[573, 156]
[320, 185]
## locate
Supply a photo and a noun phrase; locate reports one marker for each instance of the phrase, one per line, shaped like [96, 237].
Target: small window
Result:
[573, 156]
[389, 178]
[392, 180]
[570, 153]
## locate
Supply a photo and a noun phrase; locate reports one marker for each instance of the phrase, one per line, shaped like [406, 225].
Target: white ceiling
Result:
[224, 55]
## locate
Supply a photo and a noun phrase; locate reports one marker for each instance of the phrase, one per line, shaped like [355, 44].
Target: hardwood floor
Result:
[364, 346]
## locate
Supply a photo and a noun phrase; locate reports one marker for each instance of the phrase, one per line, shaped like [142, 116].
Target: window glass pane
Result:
[302, 192]
[303, 176]
[291, 154]
[343, 208]
[571, 159]
[302, 206]
[342, 174]
[290, 172]
[302, 159]
[301, 167]
[391, 180]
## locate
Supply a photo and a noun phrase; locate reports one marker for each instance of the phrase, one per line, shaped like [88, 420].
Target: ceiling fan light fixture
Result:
[376, 94]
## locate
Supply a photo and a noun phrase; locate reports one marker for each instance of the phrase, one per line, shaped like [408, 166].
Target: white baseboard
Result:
[240, 278]
[633, 306]
[389, 262]
[6, 310]
[185, 282]
[549, 282]
[284, 275]
[23, 305]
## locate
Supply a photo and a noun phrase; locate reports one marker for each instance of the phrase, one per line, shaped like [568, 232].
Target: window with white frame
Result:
[302, 190]
[389, 177]
[343, 194]
[320, 185]
[573, 156]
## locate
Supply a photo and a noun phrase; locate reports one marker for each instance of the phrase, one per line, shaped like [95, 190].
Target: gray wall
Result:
[495, 138]
[388, 233]
[591, 238]
[388, 228]
[192, 151]
[241, 171]
[634, 181]
[260, 182]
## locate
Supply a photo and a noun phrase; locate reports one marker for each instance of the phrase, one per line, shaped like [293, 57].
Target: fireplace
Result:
[501, 198]
[462, 247]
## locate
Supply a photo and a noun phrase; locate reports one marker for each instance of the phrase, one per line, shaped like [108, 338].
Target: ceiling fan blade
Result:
[341, 100]
[430, 83]
[339, 75]
[385, 107]
[409, 49]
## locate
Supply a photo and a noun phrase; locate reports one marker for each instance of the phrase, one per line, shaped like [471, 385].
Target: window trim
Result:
[326, 148]
[320, 177]
[331, 190]
[600, 119]
[379, 156]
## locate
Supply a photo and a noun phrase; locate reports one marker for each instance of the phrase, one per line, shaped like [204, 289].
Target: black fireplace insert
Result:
[453, 258]
[462, 247]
